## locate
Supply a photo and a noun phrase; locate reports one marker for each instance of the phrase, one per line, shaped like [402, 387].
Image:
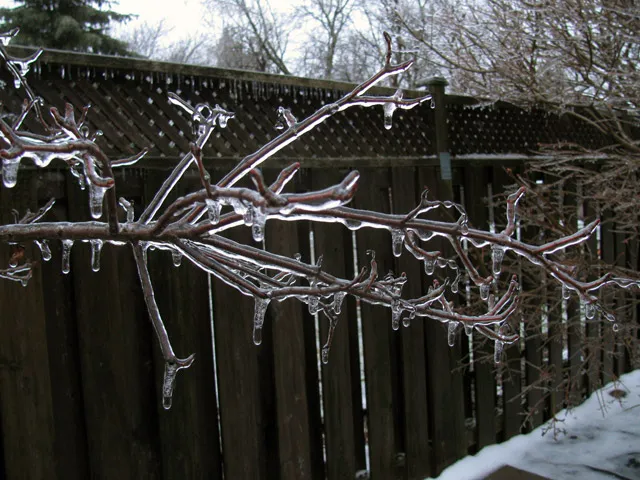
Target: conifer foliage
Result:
[79, 25]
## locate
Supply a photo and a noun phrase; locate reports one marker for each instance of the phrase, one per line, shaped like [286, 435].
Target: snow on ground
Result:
[600, 440]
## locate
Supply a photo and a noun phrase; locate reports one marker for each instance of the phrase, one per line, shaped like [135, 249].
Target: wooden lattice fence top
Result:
[129, 104]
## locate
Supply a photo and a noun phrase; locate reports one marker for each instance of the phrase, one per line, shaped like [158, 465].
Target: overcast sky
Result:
[182, 15]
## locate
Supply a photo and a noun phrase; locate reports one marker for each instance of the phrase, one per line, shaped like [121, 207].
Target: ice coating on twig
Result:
[497, 256]
[451, 333]
[45, 250]
[96, 249]
[261, 305]
[391, 107]
[66, 255]
[497, 352]
[397, 240]
[96, 197]
[176, 258]
[10, 172]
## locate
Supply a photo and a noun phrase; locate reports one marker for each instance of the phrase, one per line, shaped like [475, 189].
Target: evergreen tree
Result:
[79, 25]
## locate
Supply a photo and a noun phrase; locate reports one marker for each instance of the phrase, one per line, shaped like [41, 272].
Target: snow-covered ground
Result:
[597, 440]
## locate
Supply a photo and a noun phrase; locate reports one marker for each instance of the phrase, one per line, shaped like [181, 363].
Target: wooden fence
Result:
[80, 368]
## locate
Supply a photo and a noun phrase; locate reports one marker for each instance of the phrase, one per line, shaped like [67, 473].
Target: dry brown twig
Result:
[190, 226]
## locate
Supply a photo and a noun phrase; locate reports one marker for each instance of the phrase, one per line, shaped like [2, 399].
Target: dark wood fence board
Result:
[594, 345]
[412, 350]
[115, 356]
[512, 368]
[343, 420]
[475, 192]
[25, 384]
[609, 248]
[245, 396]
[444, 379]
[62, 339]
[295, 423]
[378, 337]
[189, 436]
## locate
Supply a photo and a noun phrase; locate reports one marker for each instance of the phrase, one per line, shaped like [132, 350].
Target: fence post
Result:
[437, 86]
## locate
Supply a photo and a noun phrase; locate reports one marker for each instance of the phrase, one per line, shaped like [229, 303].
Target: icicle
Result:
[259, 219]
[96, 194]
[397, 240]
[429, 266]
[389, 108]
[128, 208]
[396, 311]
[464, 228]
[455, 283]
[338, 299]
[45, 251]
[468, 328]
[314, 304]
[451, 335]
[353, 224]
[590, 310]
[24, 281]
[96, 248]
[170, 370]
[261, 305]
[497, 353]
[497, 254]
[566, 292]
[406, 321]
[213, 210]
[609, 316]
[66, 255]
[10, 172]
[247, 217]
[333, 321]
[484, 291]
[176, 256]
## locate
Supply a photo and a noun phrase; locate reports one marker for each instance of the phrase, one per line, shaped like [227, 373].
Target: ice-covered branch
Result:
[190, 226]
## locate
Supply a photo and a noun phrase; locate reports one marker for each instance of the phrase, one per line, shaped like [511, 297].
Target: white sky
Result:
[184, 16]
[180, 14]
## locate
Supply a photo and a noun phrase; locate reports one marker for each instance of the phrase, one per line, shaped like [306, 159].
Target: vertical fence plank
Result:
[512, 368]
[626, 306]
[296, 424]
[189, 436]
[593, 347]
[25, 383]
[556, 337]
[412, 352]
[115, 354]
[445, 381]
[608, 251]
[476, 180]
[62, 337]
[378, 337]
[247, 412]
[343, 421]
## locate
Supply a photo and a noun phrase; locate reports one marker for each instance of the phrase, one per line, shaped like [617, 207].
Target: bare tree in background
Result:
[326, 22]
[254, 25]
[150, 40]
[579, 59]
